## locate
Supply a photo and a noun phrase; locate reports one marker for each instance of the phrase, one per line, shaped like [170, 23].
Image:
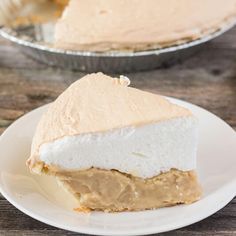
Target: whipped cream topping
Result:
[99, 103]
[99, 121]
[100, 25]
[140, 151]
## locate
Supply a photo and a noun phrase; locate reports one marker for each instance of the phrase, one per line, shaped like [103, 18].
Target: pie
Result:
[105, 25]
[117, 148]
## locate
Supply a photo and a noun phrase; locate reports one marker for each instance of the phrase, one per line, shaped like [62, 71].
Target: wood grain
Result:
[207, 79]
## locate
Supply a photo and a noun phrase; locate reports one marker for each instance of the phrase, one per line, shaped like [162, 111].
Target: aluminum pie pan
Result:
[108, 62]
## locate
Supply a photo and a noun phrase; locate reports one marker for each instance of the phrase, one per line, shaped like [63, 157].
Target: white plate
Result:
[41, 198]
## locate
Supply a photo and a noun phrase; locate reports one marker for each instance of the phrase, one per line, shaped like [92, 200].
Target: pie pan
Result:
[33, 42]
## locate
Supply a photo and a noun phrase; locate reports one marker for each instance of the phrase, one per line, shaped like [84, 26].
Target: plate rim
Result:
[144, 231]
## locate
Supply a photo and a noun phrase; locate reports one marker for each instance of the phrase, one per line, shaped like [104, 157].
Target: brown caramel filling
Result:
[110, 190]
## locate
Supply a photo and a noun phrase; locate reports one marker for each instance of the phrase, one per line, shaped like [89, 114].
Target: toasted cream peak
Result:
[98, 103]
[124, 80]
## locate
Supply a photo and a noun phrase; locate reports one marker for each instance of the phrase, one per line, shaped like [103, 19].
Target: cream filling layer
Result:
[143, 151]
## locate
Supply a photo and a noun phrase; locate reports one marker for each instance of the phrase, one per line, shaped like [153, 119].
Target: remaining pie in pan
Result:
[117, 148]
[103, 25]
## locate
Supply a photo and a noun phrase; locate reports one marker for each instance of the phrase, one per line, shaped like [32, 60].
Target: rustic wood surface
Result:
[207, 79]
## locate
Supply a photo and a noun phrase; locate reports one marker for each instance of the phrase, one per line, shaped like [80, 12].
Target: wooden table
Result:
[208, 79]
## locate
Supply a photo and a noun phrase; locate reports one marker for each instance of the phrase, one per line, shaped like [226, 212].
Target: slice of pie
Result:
[117, 148]
[103, 25]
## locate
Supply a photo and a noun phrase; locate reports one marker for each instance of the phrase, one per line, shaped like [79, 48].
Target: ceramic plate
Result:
[41, 198]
